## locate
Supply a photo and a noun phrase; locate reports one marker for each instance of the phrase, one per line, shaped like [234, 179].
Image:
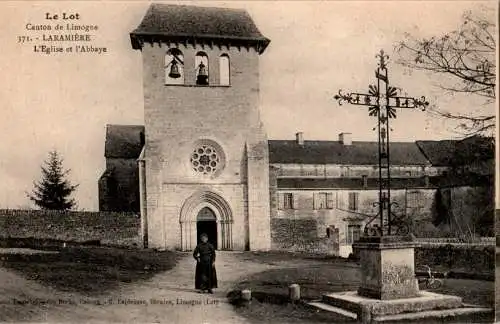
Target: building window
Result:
[353, 201]
[174, 67]
[353, 233]
[224, 70]
[323, 200]
[202, 70]
[365, 181]
[414, 199]
[286, 200]
[205, 159]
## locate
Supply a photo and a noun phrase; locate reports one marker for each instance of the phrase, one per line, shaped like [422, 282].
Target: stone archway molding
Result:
[189, 213]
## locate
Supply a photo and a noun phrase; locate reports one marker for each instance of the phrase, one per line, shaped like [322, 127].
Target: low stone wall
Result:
[436, 242]
[467, 257]
[299, 235]
[107, 228]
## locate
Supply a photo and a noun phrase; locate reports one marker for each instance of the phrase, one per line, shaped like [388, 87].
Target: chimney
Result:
[299, 136]
[345, 139]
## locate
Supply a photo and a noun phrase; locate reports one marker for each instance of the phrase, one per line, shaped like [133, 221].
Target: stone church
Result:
[202, 161]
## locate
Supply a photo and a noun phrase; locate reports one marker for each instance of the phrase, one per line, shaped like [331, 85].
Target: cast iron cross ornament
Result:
[382, 101]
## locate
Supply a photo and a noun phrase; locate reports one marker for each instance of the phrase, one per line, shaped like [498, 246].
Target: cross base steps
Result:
[367, 310]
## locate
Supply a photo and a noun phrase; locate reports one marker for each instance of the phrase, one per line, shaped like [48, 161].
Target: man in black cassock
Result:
[206, 276]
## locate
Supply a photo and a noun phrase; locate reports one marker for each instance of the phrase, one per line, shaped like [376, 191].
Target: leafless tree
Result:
[467, 57]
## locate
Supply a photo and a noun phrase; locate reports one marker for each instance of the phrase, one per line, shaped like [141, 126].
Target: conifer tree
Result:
[53, 191]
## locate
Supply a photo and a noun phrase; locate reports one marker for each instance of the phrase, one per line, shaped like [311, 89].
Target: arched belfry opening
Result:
[206, 212]
[174, 67]
[201, 65]
[224, 70]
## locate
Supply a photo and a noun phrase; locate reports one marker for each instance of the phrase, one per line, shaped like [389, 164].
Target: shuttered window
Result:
[353, 201]
[286, 200]
[323, 200]
[414, 199]
[340, 199]
[329, 200]
[353, 233]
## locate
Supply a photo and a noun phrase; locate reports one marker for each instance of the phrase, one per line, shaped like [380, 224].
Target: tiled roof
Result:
[123, 141]
[180, 22]
[455, 153]
[439, 153]
[333, 152]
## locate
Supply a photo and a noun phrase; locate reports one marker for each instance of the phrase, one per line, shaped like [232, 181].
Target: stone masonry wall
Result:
[110, 228]
[121, 191]
[299, 235]
[177, 117]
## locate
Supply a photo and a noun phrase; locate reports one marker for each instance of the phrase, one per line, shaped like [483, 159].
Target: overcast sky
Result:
[63, 101]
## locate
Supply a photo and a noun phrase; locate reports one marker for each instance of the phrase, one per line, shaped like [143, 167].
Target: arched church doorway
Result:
[206, 211]
[206, 222]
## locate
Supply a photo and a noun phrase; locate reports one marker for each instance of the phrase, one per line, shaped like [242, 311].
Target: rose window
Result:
[205, 159]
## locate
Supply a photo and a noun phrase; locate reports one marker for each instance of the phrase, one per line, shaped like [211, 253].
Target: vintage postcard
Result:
[248, 161]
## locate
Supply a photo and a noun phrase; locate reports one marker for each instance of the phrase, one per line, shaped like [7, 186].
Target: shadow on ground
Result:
[89, 270]
[317, 276]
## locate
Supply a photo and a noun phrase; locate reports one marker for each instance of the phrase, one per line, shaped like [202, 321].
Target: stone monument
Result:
[388, 288]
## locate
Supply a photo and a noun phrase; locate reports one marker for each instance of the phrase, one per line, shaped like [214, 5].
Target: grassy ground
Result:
[89, 270]
[317, 275]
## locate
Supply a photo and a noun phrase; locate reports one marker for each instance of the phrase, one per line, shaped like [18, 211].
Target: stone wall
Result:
[180, 118]
[119, 186]
[300, 235]
[340, 216]
[110, 228]
[473, 258]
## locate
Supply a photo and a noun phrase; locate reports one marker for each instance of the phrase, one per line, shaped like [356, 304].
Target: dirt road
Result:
[168, 297]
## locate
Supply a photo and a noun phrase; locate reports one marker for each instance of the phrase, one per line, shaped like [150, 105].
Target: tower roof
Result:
[198, 24]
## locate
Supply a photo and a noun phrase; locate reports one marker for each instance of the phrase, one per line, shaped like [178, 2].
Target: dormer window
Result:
[224, 70]
[174, 67]
[201, 65]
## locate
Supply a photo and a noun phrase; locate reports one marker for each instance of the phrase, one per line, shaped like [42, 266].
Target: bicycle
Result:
[430, 281]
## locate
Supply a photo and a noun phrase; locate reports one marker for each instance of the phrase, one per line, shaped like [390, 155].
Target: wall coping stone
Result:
[386, 242]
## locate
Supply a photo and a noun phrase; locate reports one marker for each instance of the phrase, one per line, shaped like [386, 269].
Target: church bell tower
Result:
[206, 153]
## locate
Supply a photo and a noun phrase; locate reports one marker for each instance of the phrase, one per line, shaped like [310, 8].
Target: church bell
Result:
[202, 75]
[174, 70]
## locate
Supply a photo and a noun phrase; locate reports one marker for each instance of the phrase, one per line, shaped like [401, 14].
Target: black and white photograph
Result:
[248, 162]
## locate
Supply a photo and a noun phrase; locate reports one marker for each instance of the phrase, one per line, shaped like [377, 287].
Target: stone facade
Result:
[339, 198]
[119, 186]
[204, 147]
[181, 119]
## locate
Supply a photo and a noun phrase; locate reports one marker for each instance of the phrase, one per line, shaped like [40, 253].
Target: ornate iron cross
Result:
[382, 101]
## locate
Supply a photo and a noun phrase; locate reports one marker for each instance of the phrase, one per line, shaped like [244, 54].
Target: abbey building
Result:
[202, 161]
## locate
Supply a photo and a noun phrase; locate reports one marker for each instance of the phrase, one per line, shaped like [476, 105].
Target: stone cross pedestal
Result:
[389, 290]
[387, 267]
